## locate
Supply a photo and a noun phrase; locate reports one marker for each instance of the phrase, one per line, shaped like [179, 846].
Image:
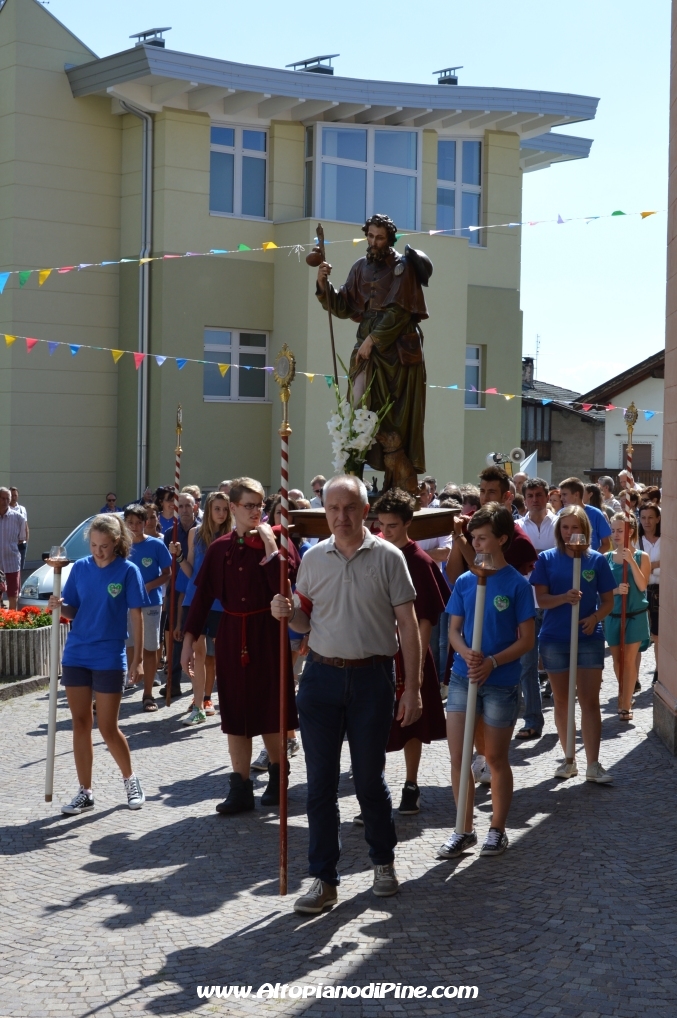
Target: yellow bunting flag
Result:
[269, 245]
[43, 276]
[9, 340]
[508, 396]
[117, 354]
[223, 368]
[309, 377]
[645, 214]
[142, 261]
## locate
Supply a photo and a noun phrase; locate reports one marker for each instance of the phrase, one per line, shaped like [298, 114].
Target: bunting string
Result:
[138, 358]
[43, 274]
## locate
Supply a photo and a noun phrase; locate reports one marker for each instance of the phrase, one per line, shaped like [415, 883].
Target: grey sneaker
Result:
[292, 747]
[385, 881]
[495, 842]
[317, 898]
[78, 804]
[262, 761]
[595, 772]
[456, 845]
[566, 770]
[135, 793]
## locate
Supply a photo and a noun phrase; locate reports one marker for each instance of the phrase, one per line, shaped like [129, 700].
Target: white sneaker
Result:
[196, 717]
[135, 793]
[566, 770]
[595, 772]
[480, 770]
[292, 747]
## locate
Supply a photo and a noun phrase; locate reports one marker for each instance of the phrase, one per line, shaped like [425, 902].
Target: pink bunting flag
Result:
[493, 392]
[30, 343]
[610, 407]
[587, 407]
[66, 268]
[138, 360]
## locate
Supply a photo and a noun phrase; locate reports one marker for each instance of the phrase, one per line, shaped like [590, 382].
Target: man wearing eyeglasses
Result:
[317, 484]
[111, 505]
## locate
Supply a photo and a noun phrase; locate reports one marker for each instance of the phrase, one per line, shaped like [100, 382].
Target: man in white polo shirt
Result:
[353, 594]
[538, 526]
[12, 533]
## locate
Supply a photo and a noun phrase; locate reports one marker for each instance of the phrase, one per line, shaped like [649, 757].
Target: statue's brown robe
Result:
[388, 307]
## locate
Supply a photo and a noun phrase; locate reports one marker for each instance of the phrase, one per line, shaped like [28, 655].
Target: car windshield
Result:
[76, 544]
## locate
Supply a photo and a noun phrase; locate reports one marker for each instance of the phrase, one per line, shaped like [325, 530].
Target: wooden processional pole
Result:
[175, 537]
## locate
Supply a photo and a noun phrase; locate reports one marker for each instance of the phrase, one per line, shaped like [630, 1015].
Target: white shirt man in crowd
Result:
[317, 484]
[609, 500]
[12, 532]
[353, 592]
[14, 504]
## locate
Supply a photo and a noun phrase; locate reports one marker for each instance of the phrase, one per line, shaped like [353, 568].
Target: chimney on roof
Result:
[151, 37]
[448, 75]
[527, 372]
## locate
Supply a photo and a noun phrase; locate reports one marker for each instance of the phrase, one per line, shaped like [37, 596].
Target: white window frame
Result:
[370, 166]
[234, 371]
[476, 238]
[478, 363]
[238, 152]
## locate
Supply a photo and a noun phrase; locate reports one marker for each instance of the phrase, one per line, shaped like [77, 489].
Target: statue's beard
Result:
[376, 255]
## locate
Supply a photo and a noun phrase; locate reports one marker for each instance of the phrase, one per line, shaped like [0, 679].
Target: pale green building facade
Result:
[226, 154]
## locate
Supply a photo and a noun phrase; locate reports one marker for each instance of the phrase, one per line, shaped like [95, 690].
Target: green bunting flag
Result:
[24, 277]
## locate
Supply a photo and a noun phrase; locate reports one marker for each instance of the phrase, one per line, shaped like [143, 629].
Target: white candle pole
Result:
[57, 560]
[483, 567]
[578, 550]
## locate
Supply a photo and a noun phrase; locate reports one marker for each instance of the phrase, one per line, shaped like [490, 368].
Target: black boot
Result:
[240, 797]
[271, 796]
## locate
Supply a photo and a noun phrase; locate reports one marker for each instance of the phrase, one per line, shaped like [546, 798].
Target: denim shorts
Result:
[151, 627]
[109, 681]
[555, 656]
[498, 705]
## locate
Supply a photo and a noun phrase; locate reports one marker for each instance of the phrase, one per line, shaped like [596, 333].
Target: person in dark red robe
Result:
[395, 511]
[242, 571]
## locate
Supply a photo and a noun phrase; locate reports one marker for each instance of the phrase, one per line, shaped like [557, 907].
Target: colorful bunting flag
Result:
[30, 343]
[328, 379]
[269, 245]
[309, 377]
[648, 414]
[645, 215]
[587, 407]
[160, 361]
[618, 213]
[4, 276]
[74, 349]
[223, 368]
[509, 395]
[138, 360]
[181, 362]
[69, 268]
[559, 218]
[43, 276]
[53, 347]
[546, 401]
[117, 354]
[24, 277]
[243, 247]
[493, 392]
[143, 261]
[164, 257]
[610, 407]
[9, 340]
[452, 387]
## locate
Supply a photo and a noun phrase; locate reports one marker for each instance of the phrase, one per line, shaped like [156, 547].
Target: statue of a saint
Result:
[383, 293]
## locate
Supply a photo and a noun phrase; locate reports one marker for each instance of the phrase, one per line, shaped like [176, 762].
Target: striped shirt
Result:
[12, 530]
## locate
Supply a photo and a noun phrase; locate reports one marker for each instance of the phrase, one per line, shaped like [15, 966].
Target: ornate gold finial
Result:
[283, 373]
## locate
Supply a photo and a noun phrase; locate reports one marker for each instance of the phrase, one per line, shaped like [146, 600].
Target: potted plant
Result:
[25, 641]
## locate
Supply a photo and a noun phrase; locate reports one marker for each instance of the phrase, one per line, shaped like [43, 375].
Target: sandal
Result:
[528, 733]
[625, 715]
[148, 704]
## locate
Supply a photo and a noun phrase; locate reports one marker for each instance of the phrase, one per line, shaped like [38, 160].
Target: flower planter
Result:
[25, 652]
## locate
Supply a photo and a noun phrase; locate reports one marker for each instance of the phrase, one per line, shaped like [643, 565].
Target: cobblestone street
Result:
[118, 913]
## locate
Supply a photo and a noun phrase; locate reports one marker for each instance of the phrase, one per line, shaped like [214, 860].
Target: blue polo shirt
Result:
[102, 598]
[509, 602]
[554, 569]
[151, 556]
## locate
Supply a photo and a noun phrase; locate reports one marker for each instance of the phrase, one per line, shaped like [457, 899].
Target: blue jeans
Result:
[529, 684]
[332, 702]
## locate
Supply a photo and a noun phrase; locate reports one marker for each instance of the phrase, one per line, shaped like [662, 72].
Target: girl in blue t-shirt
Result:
[636, 609]
[216, 522]
[99, 592]
[552, 578]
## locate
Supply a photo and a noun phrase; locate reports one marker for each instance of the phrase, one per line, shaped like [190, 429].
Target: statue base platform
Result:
[425, 524]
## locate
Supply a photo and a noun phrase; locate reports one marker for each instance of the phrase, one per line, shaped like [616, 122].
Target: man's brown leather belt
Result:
[347, 662]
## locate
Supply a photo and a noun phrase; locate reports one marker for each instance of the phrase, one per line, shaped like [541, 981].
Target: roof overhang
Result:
[537, 153]
[151, 78]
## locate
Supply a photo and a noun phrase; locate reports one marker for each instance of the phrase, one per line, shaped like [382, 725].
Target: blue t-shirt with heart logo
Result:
[102, 597]
[554, 569]
[509, 602]
[151, 556]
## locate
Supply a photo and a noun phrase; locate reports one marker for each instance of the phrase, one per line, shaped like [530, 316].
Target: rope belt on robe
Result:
[244, 653]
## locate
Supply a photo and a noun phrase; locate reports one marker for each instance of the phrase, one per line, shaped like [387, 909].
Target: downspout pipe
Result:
[144, 292]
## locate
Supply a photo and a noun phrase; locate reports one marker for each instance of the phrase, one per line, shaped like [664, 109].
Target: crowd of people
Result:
[380, 648]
